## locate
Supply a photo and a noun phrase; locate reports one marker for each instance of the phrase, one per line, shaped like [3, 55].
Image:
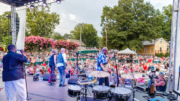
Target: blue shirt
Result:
[51, 60]
[101, 58]
[13, 66]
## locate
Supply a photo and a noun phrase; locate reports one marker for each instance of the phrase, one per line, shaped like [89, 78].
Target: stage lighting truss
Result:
[58, 1]
[30, 3]
[32, 6]
[44, 3]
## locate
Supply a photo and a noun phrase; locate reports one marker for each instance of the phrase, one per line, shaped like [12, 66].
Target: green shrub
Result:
[167, 54]
[160, 55]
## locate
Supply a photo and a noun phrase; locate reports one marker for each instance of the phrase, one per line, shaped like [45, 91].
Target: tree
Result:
[67, 36]
[129, 23]
[7, 40]
[166, 29]
[100, 42]
[88, 34]
[40, 22]
[57, 36]
[4, 25]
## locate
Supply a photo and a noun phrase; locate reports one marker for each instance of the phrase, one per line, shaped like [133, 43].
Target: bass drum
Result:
[100, 92]
[74, 90]
[121, 94]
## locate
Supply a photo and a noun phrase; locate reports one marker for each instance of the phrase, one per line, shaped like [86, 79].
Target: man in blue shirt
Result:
[101, 61]
[13, 74]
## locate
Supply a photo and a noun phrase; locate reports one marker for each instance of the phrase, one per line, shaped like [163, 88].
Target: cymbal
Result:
[99, 74]
[132, 76]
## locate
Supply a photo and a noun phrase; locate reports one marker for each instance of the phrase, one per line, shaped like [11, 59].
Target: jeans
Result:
[13, 87]
[102, 80]
[62, 75]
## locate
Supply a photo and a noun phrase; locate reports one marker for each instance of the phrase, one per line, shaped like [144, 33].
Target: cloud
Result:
[72, 17]
[73, 12]
[159, 4]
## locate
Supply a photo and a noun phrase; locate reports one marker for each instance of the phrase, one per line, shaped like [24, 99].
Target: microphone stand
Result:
[77, 54]
[77, 63]
[28, 98]
[132, 84]
[116, 70]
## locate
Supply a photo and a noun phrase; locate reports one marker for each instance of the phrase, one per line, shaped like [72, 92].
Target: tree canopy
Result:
[88, 34]
[4, 27]
[166, 29]
[56, 36]
[67, 36]
[40, 22]
[129, 23]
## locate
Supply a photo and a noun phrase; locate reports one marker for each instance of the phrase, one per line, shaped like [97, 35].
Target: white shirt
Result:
[61, 64]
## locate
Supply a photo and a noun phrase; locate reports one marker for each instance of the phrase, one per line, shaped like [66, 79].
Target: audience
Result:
[141, 64]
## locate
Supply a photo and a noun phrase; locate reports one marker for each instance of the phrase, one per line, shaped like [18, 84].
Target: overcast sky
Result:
[73, 12]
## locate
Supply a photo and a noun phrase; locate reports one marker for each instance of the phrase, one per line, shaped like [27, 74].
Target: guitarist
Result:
[101, 61]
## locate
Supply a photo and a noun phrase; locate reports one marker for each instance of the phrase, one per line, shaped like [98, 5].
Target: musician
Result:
[52, 65]
[61, 65]
[13, 74]
[101, 61]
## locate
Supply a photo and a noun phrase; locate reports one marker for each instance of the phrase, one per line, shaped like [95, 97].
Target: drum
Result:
[121, 94]
[157, 99]
[100, 92]
[74, 90]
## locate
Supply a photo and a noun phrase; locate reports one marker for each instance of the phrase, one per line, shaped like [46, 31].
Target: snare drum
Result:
[74, 90]
[121, 94]
[157, 99]
[100, 92]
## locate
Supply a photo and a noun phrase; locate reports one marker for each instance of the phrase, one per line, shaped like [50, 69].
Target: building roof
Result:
[152, 42]
[76, 41]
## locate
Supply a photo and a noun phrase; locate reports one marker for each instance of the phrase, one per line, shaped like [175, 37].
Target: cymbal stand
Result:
[132, 84]
[116, 70]
[77, 54]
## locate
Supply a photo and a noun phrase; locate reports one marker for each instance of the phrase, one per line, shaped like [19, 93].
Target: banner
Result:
[21, 35]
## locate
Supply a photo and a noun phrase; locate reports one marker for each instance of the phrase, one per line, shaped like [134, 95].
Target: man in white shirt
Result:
[61, 65]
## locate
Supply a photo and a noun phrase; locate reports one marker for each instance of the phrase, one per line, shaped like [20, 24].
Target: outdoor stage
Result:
[43, 91]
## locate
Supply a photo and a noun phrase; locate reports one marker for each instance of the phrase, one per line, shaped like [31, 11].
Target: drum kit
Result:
[100, 92]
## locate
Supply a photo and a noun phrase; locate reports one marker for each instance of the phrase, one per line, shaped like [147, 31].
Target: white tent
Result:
[126, 51]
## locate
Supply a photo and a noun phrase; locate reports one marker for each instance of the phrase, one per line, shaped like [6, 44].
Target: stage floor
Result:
[43, 91]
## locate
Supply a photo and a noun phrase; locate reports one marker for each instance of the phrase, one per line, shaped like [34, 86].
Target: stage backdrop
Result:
[21, 35]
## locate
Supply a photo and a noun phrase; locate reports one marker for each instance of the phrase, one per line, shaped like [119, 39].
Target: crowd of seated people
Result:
[140, 64]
